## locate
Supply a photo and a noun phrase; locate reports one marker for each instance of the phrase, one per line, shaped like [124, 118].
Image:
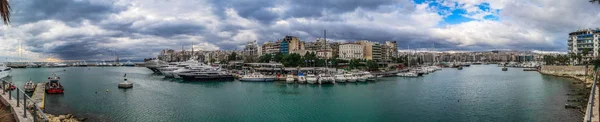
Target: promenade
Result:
[19, 111]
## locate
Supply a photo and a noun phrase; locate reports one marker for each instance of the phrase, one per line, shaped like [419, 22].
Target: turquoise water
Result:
[477, 93]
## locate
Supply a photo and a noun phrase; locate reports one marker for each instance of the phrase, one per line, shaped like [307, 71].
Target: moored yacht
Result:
[207, 75]
[311, 78]
[257, 77]
[325, 79]
[301, 78]
[154, 65]
[289, 78]
[340, 78]
[350, 78]
[4, 70]
[407, 74]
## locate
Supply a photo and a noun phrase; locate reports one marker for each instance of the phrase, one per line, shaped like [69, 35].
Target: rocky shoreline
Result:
[63, 118]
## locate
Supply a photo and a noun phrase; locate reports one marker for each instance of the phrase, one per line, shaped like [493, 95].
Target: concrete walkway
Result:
[18, 110]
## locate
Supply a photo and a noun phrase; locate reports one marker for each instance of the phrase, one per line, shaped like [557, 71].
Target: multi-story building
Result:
[349, 51]
[371, 50]
[270, 48]
[389, 51]
[251, 49]
[584, 39]
[290, 44]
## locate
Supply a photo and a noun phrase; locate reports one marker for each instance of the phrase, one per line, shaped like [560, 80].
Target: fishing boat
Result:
[311, 78]
[53, 86]
[301, 78]
[289, 78]
[29, 86]
[340, 78]
[257, 77]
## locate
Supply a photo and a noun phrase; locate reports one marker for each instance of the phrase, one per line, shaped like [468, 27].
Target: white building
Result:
[349, 51]
[584, 39]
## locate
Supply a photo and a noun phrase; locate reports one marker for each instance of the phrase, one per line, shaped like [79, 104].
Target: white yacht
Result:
[311, 78]
[350, 78]
[361, 77]
[257, 77]
[4, 70]
[325, 78]
[60, 65]
[340, 78]
[408, 74]
[154, 65]
[289, 78]
[369, 76]
[301, 78]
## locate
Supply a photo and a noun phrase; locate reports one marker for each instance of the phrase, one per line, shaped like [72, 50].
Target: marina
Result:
[412, 98]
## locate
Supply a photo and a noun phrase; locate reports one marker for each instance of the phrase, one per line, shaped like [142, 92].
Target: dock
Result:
[39, 95]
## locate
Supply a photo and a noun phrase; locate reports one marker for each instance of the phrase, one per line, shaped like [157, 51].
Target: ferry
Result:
[53, 86]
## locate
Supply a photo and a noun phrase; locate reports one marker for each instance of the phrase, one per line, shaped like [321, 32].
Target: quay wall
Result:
[576, 72]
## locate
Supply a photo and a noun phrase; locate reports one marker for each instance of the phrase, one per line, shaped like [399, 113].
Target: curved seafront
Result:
[476, 93]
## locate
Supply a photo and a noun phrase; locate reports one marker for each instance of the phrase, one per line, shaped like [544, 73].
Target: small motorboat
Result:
[350, 78]
[504, 69]
[29, 86]
[340, 78]
[408, 74]
[10, 86]
[289, 78]
[460, 68]
[311, 78]
[301, 78]
[53, 86]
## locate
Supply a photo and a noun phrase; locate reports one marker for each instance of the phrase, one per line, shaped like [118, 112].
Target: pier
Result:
[39, 95]
[20, 105]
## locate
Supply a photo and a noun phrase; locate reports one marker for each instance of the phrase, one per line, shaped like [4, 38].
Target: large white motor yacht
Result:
[4, 70]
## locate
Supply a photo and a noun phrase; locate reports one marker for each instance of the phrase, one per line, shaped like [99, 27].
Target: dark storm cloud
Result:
[26, 11]
[315, 8]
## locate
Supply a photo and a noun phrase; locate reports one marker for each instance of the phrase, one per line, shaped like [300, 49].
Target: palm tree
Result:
[5, 11]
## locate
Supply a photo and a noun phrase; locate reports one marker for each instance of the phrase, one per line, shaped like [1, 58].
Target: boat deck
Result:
[39, 95]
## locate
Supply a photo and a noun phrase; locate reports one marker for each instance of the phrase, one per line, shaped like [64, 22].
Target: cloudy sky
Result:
[135, 29]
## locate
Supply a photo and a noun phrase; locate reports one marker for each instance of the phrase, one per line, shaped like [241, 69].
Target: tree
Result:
[278, 57]
[372, 65]
[5, 11]
[232, 57]
[265, 58]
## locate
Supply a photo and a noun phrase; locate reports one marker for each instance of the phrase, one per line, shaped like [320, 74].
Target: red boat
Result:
[53, 86]
[10, 86]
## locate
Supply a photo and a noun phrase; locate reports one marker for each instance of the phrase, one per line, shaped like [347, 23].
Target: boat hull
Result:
[257, 79]
[54, 91]
[207, 79]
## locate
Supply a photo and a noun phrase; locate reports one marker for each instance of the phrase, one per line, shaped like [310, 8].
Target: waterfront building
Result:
[389, 51]
[584, 39]
[270, 48]
[289, 44]
[371, 50]
[350, 51]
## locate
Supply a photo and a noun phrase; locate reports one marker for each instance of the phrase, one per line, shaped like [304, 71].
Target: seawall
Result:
[576, 72]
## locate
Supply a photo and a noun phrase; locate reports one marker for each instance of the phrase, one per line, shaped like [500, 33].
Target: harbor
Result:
[156, 98]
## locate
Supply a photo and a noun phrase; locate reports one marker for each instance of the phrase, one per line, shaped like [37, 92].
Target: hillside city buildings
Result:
[584, 39]
[382, 53]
